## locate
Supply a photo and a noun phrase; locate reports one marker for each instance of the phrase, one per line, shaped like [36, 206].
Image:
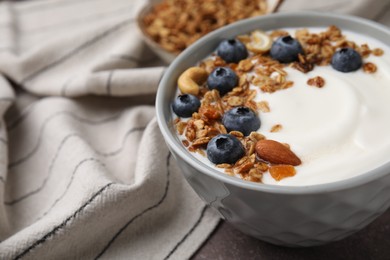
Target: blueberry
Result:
[286, 49]
[223, 79]
[346, 60]
[232, 50]
[241, 119]
[185, 105]
[225, 148]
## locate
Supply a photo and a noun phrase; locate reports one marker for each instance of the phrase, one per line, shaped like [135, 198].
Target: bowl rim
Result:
[178, 148]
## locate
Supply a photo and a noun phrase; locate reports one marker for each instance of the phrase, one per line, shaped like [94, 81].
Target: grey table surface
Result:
[372, 242]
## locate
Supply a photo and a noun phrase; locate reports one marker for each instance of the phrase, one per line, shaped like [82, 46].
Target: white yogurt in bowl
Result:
[339, 130]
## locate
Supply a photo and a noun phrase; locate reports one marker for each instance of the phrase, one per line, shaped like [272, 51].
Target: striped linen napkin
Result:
[84, 171]
[87, 177]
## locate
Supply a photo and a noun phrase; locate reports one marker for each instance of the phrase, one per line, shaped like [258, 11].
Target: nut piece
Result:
[260, 42]
[276, 153]
[191, 79]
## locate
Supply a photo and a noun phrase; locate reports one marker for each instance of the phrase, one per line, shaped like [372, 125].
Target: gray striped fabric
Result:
[84, 171]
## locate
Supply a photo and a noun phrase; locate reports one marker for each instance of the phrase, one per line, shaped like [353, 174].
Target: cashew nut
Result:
[260, 42]
[191, 79]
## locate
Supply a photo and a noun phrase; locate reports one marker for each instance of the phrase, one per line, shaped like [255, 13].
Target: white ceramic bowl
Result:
[283, 215]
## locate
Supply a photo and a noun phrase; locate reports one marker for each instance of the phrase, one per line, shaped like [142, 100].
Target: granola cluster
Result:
[317, 81]
[320, 47]
[206, 123]
[260, 71]
[176, 24]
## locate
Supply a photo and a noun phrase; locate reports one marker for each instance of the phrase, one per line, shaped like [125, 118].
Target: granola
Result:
[369, 67]
[317, 81]
[177, 24]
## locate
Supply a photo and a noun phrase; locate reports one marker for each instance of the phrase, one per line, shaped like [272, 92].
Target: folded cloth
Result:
[87, 177]
[84, 171]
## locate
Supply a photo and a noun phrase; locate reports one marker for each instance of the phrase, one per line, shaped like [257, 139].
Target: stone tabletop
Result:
[373, 242]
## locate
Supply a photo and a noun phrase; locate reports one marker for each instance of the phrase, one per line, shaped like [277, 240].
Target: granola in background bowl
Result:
[170, 26]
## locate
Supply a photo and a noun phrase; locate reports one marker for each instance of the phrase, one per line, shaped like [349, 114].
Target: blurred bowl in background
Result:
[270, 6]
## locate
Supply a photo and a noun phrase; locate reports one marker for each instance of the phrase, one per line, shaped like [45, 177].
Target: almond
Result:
[276, 153]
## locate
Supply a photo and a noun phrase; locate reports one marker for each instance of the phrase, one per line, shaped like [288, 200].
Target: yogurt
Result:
[338, 131]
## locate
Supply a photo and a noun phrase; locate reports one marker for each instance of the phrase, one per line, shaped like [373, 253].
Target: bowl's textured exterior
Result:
[290, 216]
